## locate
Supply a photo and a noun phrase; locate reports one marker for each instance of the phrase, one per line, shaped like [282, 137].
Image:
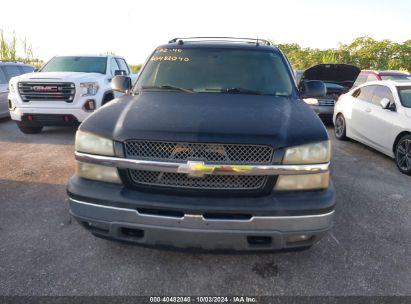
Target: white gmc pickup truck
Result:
[64, 91]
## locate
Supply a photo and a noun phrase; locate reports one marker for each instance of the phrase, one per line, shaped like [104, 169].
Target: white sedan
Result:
[378, 114]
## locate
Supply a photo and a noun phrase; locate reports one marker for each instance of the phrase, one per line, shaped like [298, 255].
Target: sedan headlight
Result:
[93, 144]
[318, 153]
[89, 88]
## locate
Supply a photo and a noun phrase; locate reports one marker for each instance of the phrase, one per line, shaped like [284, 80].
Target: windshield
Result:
[405, 96]
[76, 64]
[216, 71]
[396, 77]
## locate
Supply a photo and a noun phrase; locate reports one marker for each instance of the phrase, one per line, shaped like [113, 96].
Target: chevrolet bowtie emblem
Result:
[199, 169]
[195, 169]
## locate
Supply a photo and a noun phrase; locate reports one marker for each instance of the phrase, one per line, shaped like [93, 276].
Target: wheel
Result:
[403, 154]
[29, 130]
[340, 127]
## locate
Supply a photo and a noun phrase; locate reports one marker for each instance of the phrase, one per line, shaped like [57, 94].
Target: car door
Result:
[361, 109]
[4, 111]
[383, 123]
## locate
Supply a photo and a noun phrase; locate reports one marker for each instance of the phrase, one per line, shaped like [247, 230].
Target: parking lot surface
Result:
[43, 252]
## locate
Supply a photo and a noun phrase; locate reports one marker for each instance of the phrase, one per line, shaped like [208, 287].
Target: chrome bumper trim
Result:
[278, 223]
[200, 169]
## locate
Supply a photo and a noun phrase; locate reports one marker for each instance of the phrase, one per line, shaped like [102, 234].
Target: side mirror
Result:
[120, 73]
[36, 70]
[387, 104]
[313, 89]
[121, 84]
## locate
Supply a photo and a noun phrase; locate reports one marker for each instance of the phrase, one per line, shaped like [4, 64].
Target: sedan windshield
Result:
[405, 96]
[209, 70]
[76, 64]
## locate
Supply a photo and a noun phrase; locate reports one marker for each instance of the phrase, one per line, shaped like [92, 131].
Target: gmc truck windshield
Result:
[76, 64]
[216, 71]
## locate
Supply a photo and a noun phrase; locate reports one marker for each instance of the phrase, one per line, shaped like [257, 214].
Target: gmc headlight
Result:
[12, 87]
[98, 172]
[311, 101]
[317, 181]
[318, 153]
[89, 88]
[93, 144]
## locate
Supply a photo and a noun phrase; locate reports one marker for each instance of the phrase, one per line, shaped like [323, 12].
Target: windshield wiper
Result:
[240, 91]
[167, 87]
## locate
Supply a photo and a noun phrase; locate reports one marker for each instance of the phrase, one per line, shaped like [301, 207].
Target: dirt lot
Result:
[42, 252]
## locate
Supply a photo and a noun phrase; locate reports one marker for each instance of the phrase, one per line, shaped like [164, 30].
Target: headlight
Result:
[89, 88]
[12, 87]
[311, 101]
[93, 144]
[318, 153]
[315, 181]
[98, 172]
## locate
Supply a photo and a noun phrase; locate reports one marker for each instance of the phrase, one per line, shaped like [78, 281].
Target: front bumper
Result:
[18, 114]
[244, 223]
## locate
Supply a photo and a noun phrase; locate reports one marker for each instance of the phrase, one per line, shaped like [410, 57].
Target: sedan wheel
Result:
[340, 129]
[403, 154]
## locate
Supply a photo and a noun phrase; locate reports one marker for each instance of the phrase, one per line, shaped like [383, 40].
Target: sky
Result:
[133, 29]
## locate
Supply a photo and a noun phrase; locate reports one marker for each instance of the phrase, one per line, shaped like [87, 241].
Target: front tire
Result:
[29, 130]
[403, 154]
[340, 128]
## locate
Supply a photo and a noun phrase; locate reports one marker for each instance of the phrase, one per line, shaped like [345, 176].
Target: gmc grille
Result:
[45, 91]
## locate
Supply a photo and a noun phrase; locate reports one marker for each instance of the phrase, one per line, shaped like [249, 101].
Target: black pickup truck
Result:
[212, 148]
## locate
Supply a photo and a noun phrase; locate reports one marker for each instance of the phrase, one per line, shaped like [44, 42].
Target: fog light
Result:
[90, 105]
[298, 238]
[11, 106]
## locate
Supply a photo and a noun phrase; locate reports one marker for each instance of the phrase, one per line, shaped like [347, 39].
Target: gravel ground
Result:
[43, 252]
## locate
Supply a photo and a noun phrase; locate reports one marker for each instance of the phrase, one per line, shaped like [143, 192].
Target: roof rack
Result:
[257, 41]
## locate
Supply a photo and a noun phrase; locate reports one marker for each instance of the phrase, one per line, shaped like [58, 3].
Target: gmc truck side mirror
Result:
[121, 84]
[120, 73]
[312, 89]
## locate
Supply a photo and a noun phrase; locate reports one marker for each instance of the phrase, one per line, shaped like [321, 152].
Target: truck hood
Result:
[342, 74]
[59, 76]
[208, 117]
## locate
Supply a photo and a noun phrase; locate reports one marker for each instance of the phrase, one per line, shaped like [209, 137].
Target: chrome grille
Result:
[229, 154]
[45, 91]
[209, 182]
[226, 153]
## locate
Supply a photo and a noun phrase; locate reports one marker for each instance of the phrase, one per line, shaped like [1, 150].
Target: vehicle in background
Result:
[378, 114]
[298, 74]
[212, 148]
[7, 71]
[371, 75]
[338, 79]
[64, 91]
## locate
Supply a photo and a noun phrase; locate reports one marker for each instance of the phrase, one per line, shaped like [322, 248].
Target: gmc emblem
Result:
[45, 88]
